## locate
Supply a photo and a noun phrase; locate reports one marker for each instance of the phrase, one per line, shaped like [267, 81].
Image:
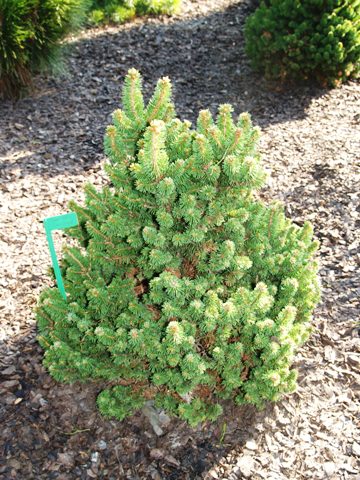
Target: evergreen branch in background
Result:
[120, 11]
[289, 40]
[31, 32]
[30, 35]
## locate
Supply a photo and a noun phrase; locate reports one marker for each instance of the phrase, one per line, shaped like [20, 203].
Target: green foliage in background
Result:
[119, 11]
[298, 40]
[30, 35]
[185, 287]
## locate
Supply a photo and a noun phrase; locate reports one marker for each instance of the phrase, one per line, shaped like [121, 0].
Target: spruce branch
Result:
[185, 288]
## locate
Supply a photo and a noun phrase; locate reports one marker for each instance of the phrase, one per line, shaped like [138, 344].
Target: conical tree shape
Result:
[184, 288]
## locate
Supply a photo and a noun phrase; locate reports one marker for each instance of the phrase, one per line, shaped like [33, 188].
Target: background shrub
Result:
[119, 11]
[30, 34]
[297, 40]
[185, 288]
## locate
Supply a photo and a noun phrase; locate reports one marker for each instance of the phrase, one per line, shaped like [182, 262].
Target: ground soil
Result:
[51, 143]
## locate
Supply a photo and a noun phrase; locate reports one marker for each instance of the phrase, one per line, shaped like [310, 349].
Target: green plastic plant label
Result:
[59, 222]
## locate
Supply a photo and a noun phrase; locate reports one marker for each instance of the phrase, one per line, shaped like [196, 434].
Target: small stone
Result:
[102, 445]
[305, 437]
[95, 457]
[246, 465]
[329, 468]
[251, 445]
[157, 418]
[348, 467]
[66, 459]
[213, 474]
[355, 449]
[164, 419]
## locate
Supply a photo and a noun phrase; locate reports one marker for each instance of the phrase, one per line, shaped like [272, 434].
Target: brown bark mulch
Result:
[51, 142]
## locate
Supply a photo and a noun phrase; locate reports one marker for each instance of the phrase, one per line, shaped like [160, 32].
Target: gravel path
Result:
[51, 142]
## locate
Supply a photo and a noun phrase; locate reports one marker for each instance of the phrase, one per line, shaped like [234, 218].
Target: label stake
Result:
[58, 222]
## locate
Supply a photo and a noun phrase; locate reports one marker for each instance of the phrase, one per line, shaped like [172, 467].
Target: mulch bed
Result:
[51, 143]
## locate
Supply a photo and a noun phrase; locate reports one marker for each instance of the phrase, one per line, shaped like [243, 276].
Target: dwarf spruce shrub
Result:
[119, 11]
[293, 40]
[184, 288]
[30, 34]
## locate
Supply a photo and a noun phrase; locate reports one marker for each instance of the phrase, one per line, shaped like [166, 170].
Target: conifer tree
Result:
[184, 288]
[289, 40]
